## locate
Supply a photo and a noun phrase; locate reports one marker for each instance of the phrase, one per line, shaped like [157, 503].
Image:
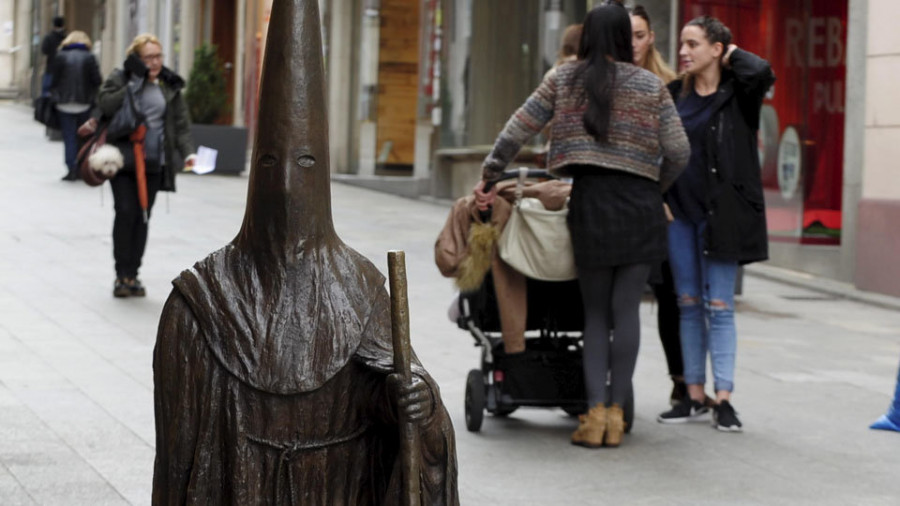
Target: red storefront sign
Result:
[802, 125]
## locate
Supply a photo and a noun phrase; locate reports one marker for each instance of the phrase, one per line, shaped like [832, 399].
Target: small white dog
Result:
[107, 160]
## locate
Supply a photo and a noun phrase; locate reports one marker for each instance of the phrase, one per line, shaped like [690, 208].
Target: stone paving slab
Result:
[40, 465]
[76, 394]
[11, 490]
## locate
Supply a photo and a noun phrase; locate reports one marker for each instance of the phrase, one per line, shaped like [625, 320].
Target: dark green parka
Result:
[177, 121]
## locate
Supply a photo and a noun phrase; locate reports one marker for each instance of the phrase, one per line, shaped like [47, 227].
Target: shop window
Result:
[493, 56]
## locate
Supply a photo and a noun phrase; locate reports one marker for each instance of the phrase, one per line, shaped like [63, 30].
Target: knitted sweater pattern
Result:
[645, 138]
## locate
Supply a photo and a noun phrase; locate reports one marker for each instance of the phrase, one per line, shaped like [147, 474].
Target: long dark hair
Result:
[605, 39]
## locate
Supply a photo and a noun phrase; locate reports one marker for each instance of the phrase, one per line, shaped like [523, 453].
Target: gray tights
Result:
[612, 298]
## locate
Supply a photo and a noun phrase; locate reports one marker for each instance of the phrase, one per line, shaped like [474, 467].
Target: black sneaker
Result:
[725, 419]
[687, 411]
[120, 289]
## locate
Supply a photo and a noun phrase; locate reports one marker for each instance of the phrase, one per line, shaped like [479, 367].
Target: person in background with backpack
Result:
[159, 99]
[718, 206]
[75, 77]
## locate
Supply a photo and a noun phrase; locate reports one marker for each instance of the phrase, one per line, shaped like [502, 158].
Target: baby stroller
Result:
[549, 373]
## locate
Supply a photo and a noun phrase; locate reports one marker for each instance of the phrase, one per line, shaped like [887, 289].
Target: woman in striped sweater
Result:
[615, 131]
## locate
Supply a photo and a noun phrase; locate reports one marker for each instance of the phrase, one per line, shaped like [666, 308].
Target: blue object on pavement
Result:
[891, 420]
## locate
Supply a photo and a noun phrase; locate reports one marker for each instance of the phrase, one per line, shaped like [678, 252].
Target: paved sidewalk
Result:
[76, 395]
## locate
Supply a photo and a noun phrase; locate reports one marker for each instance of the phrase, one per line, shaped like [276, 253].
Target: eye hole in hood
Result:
[268, 161]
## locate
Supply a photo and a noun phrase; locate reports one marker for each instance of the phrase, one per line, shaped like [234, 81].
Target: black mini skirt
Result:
[615, 218]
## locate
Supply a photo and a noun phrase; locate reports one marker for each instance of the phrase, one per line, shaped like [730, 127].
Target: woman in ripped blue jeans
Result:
[717, 203]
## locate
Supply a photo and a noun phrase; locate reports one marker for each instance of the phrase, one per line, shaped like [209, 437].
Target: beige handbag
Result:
[535, 241]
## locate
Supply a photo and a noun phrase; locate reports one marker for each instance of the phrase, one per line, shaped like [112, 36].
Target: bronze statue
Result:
[273, 368]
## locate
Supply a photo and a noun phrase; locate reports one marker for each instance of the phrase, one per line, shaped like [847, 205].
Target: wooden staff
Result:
[409, 436]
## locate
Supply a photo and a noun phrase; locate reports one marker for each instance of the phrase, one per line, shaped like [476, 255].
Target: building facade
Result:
[830, 126]
[413, 80]
[827, 133]
[873, 129]
[181, 26]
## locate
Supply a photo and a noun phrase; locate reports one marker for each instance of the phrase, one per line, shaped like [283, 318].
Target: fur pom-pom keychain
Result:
[482, 240]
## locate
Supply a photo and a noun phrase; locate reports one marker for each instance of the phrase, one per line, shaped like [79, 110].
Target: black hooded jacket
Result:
[736, 221]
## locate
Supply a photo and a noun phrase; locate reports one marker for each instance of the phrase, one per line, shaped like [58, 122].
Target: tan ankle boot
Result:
[591, 428]
[615, 425]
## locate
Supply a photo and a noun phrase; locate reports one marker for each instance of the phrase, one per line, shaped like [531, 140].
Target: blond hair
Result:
[141, 41]
[654, 62]
[76, 37]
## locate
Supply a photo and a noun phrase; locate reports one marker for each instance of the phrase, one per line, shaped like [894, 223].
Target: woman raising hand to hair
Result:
[720, 219]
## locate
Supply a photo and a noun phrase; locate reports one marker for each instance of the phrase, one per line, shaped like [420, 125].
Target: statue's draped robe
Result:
[278, 395]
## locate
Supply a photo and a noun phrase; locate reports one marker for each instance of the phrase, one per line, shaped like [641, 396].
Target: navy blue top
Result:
[687, 196]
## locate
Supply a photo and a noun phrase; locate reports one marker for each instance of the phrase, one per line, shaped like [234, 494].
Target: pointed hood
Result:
[286, 305]
[289, 199]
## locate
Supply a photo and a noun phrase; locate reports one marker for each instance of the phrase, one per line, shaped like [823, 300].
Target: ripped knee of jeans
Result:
[686, 300]
[719, 305]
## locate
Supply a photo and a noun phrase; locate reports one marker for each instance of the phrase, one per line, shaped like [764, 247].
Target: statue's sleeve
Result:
[437, 452]
[177, 358]
[437, 462]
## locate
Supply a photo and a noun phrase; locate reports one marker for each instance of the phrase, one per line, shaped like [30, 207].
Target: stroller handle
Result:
[513, 174]
[507, 175]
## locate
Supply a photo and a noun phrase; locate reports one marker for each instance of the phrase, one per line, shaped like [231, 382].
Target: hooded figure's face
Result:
[290, 180]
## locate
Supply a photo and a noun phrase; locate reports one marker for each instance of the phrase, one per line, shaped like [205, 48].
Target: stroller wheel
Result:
[475, 401]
